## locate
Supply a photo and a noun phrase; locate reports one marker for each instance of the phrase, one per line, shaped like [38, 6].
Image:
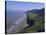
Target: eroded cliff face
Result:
[34, 11]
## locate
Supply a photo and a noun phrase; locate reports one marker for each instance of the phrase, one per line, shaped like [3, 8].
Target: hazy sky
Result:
[23, 6]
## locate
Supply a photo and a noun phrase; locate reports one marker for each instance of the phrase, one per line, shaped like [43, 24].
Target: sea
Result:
[11, 17]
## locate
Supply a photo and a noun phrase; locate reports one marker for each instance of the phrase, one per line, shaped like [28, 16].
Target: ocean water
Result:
[11, 17]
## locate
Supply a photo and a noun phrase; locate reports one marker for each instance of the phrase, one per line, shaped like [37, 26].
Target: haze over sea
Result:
[12, 17]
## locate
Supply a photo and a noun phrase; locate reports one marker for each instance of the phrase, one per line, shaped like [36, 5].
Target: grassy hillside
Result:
[38, 23]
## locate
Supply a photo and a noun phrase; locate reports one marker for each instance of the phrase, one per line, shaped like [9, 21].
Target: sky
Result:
[23, 6]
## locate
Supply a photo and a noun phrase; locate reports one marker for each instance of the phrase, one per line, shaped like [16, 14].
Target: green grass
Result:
[38, 23]
[32, 16]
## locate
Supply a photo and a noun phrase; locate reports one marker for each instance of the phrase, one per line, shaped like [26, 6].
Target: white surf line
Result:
[16, 24]
[18, 21]
[9, 30]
